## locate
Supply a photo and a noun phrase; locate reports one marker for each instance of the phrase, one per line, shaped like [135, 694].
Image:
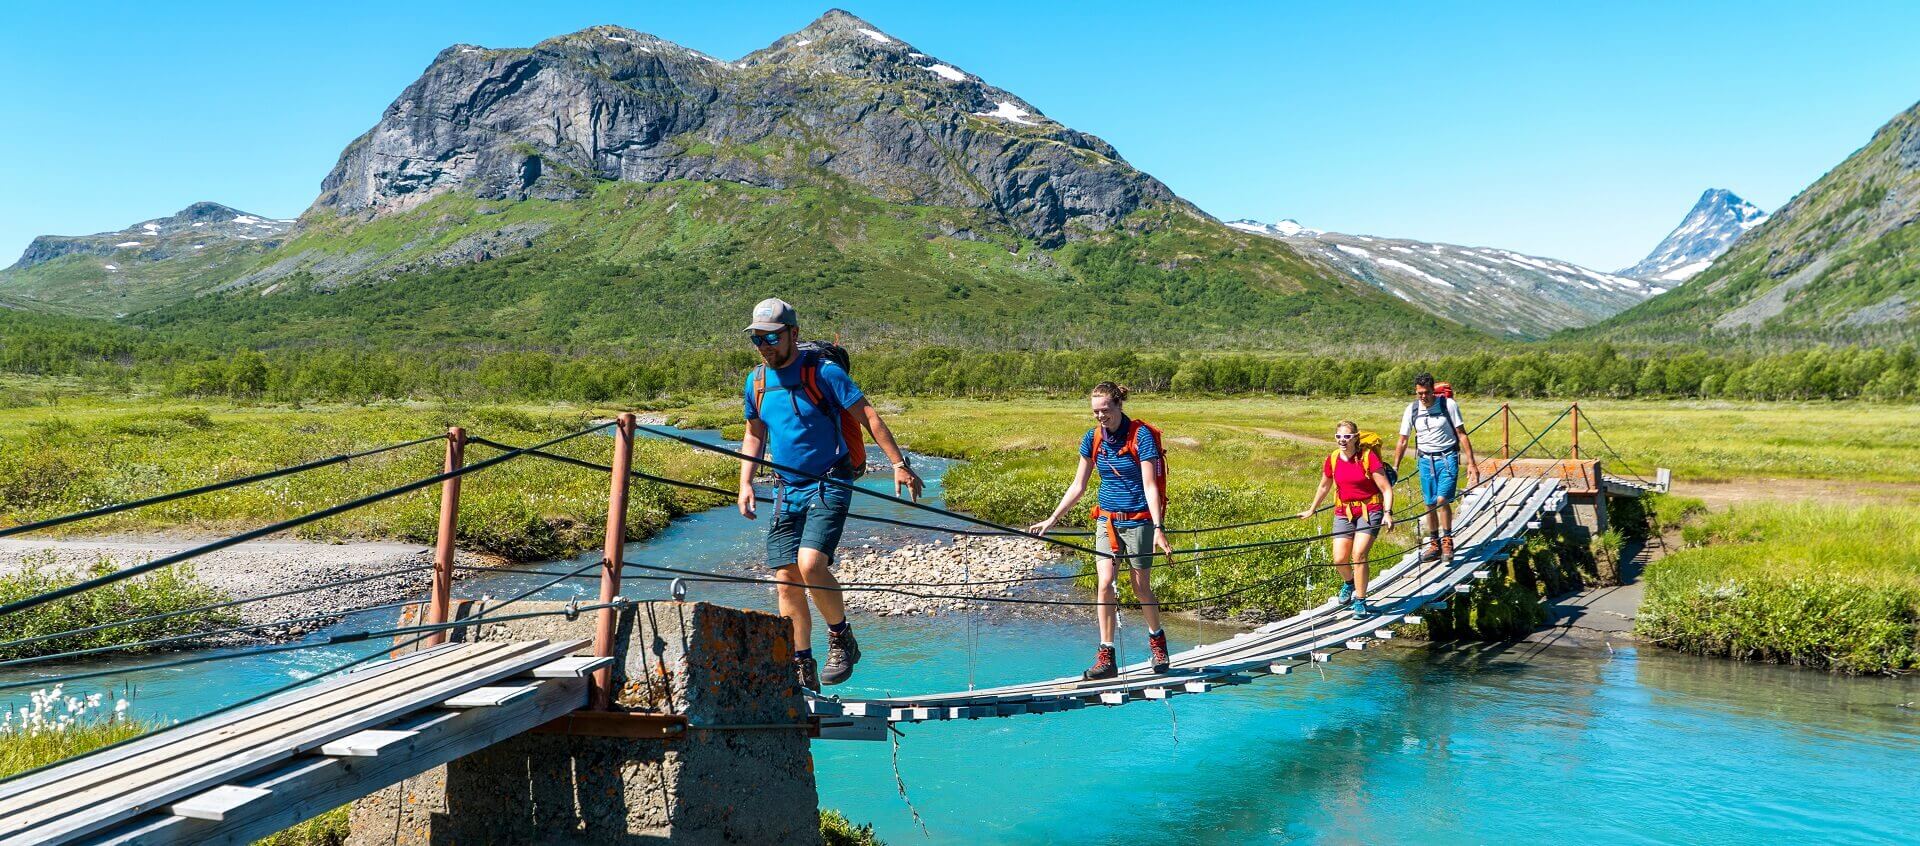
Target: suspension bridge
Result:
[276, 758]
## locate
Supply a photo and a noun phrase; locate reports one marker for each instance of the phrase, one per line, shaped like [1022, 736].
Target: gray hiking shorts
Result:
[1347, 528]
[1136, 542]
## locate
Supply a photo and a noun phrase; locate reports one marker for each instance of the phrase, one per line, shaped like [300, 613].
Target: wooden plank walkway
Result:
[256, 770]
[1489, 522]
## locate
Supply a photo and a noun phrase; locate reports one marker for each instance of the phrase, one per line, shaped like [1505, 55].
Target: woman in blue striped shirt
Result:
[1129, 521]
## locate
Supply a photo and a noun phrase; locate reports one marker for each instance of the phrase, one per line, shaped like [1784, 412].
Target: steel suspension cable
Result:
[212, 606]
[293, 522]
[209, 488]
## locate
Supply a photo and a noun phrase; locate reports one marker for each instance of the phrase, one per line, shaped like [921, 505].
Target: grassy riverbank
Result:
[1830, 585]
[88, 451]
[162, 591]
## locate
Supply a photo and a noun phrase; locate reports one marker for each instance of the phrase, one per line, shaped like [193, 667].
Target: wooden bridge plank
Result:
[312, 786]
[233, 757]
[83, 773]
[161, 738]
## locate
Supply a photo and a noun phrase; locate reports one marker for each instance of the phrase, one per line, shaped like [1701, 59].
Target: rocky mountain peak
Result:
[839, 103]
[1716, 220]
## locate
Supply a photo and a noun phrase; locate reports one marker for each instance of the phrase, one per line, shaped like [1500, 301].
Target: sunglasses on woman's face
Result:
[1344, 438]
[767, 340]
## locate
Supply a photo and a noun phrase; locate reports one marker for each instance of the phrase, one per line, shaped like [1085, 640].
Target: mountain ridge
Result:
[151, 262]
[1501, 292]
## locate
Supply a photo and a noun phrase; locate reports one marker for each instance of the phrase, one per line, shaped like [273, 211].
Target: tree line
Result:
[106, 353]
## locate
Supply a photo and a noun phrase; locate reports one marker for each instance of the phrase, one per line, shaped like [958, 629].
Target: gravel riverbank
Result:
[959, 558]
[261, 567]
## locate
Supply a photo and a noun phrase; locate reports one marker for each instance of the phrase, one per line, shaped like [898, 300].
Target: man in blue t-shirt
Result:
[794, 404]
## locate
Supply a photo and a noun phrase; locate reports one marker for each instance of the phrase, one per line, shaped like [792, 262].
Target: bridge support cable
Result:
[1613, 453]
[116, 508]
[212, 606]
[275, 528]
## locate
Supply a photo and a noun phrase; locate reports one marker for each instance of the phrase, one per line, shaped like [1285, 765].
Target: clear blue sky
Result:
[1578, 133]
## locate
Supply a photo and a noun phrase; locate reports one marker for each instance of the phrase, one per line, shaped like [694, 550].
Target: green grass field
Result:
[90, 451]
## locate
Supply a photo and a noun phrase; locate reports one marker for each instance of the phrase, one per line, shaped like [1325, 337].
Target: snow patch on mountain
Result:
[1499, 291]
[1717, 219]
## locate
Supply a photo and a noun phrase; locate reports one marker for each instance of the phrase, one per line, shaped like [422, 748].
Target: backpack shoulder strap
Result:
[810, 382]
[759, 385]
[1130, 439]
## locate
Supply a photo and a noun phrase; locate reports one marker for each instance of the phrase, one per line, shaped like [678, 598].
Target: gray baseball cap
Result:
[772, 315]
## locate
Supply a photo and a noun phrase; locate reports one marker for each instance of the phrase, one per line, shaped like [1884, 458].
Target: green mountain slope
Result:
[1839, 262]
[678, 263]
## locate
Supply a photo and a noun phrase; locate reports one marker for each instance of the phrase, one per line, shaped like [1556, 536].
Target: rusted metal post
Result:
[1506, 433]
[1576, 431]
[610, 566]
[440, 601]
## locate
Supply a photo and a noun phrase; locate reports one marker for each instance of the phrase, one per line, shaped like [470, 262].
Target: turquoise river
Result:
[1410, 744]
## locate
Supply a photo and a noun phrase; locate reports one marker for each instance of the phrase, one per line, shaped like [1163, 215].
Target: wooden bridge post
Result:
[1576, 431]
[610, 566]
[1506, 434]
[440, 601]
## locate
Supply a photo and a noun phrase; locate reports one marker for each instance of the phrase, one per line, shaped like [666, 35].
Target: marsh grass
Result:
[85, 454]
[1835, 586]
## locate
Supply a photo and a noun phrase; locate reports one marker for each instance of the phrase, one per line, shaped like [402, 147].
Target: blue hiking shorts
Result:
[1439, 477]
[809, 516]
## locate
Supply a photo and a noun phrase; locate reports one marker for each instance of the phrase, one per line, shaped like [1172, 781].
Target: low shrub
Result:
[164, 590]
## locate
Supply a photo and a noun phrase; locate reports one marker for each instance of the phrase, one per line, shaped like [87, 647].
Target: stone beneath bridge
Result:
[717, 748]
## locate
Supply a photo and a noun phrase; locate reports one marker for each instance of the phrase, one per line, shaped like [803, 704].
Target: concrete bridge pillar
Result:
[708, 745]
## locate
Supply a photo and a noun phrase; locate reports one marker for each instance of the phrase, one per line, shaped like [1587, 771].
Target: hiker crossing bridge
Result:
[285, 755]
[1490, 521]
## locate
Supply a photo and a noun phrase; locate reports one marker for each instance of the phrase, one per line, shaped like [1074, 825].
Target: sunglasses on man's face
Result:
[768, 339]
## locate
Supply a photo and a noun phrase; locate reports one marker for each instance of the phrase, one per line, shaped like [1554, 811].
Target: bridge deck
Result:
[258, 769]
[1488, 523]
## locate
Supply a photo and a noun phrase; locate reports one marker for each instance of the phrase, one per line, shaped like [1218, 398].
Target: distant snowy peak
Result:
[1284, 229]
[1497, 291]
[1716, 221]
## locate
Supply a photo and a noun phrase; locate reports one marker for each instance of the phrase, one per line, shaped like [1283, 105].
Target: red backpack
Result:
[1130, 446]
[812, 356]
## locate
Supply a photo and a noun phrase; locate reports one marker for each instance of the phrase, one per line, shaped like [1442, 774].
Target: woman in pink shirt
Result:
[1363, 508]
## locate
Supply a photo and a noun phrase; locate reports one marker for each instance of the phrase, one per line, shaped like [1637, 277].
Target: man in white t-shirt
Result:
[1434, 422]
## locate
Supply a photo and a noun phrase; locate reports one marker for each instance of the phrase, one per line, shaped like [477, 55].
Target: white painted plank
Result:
[488, 697]
[367, 744]
[217, 803]
[570, 667]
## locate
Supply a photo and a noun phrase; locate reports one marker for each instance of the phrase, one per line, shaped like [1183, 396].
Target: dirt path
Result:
[1719, 495]
[1283, 435]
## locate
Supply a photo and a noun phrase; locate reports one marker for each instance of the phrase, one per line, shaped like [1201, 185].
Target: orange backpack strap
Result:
[759, 386]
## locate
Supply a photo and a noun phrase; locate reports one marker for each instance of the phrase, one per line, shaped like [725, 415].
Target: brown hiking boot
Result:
[1157, 644]
[1103, 666]
[842, 653]
[1446, 549]
[1431, 551]
[807, 671]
